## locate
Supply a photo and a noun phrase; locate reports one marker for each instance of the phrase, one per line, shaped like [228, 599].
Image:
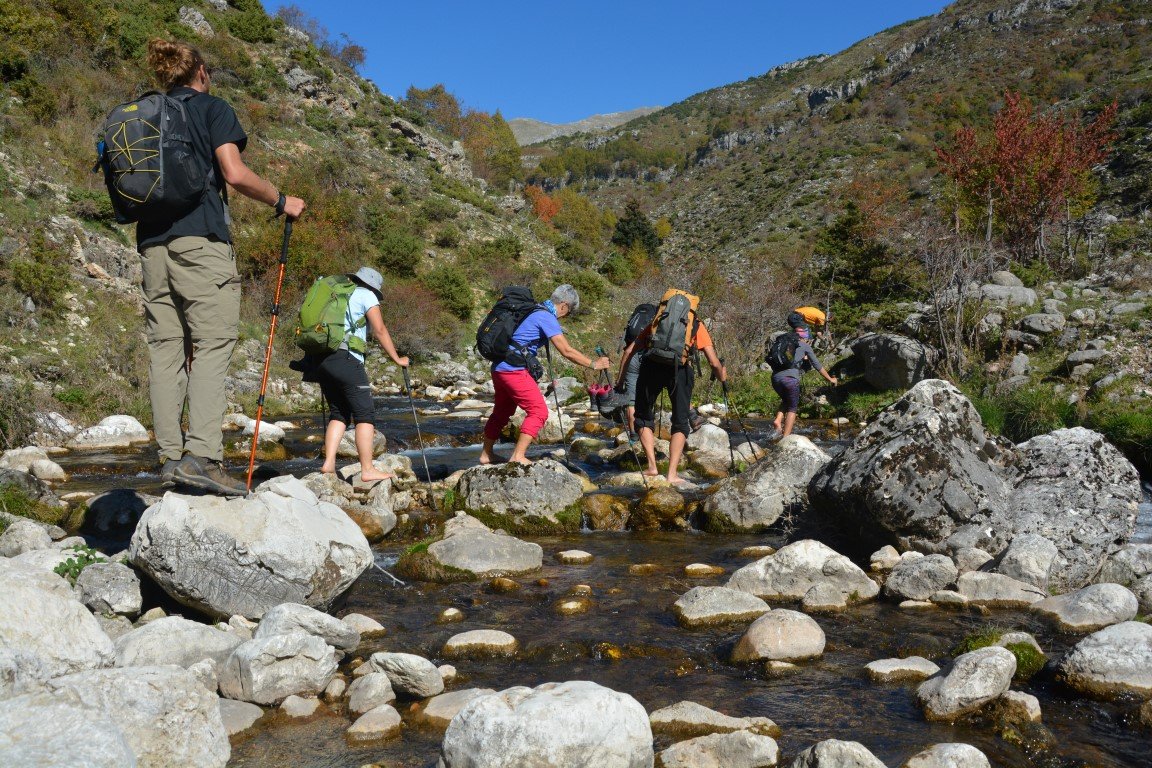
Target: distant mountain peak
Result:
[531, 131]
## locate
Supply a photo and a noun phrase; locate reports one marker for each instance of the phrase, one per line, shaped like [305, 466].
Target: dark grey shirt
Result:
[801, 358]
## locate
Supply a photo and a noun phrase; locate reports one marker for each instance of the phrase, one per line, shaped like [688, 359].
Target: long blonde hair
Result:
[173, 63]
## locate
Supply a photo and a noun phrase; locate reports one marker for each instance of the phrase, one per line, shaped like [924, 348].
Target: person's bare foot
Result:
[328, 469]
[651, 473]
[491, 458]
[777, 426]
[374, 476]
[522, 460]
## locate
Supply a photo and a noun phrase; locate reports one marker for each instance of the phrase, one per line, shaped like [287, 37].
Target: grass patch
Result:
[1029, 661]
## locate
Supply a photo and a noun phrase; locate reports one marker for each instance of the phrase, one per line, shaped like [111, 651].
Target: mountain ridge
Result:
[529, 130]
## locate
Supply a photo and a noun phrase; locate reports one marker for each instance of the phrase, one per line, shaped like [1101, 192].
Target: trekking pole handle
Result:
[407, 381]
[284, 244]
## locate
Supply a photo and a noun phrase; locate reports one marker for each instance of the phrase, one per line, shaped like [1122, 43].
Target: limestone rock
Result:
[892, 361]
[1127, 565]
[952, 755]
[1114, 661]
[110, 588]
[544, 489]
[975, 679]
[1091, 608]
[1029, 558]
[365, 626]
[797, 567]
[740, 749]
[246, 555]
[440, 710]
[166, 716]
[293, 617]
[605, 512]
[23, 536]
[411, 676]
[380, 723]
[1017, 707]
[997, 590]
[112, 432]
[687, 719]
[268, 670]
[834, 753]
[472, 546]
[775, 486]
[899, 670]
[481, 642]
[660, 507]
[571, 723]
[57, 630]
[299, 706]
[370, 691]
[780, 635]
[41, 732]
[174, 640]
[920, 578]
[373, 510]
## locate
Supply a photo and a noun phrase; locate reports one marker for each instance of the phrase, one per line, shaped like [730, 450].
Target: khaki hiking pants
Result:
[192, 308]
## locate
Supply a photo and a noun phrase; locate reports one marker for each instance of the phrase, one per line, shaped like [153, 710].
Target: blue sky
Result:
[560, 62]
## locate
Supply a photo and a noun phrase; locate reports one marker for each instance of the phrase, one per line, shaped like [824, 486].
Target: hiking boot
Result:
[695, 420]
[207, 475]
[168, 473]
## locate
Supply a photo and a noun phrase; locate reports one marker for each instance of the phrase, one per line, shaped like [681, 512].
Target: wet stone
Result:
[299, 706]
[914, 668]
[380, 723]
[706, 606]
[642, 569]
[450, 615]
[502, 585]
[573, 606]
[574, 557]
[758, 551]
[701, 570]
[1018, 707]
[481, 642]
[687, 719]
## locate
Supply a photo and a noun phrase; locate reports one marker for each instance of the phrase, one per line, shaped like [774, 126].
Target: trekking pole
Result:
[556, 399]
[727, 413]
[419, 437]
[268, 352]
[627, 434]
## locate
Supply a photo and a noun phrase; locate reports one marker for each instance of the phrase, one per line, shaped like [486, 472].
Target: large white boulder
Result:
[575, 723]
[800, 566]
[168, 718]
[112, 432]
[174, 640]
[1114, 661]
[776, 485]
[270, 669]
[542, 490]
[56, 629]
[246, 555]
[39, 732]
[293, 617]
[975, 679]
[1094, 607]
[23, 536]
[919, 578]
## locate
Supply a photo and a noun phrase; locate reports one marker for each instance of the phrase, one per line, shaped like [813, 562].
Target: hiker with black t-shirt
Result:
[790, 357]
[190, 283]
[670, 345]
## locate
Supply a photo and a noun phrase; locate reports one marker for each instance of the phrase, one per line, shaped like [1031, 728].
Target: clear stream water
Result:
[629, 640]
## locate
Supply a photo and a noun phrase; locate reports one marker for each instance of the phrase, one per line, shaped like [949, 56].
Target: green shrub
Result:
[458, 190]
[93, 206]
[501, 250]
[399, 252]
[1033, 411]
[438, 209]
[452, 286]
[1128, 427]
[43, 275]
[592, 287]
[16, 409]
[251, 24]
[448, 237]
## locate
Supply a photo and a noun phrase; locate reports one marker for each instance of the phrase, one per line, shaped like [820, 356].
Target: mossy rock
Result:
[568, 520]
[417, 565]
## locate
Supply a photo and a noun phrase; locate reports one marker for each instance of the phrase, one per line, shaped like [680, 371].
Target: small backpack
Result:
[151, 167]
[494, 336]
[782, 351]
[673, 329]
[641, 318]
[322, 327]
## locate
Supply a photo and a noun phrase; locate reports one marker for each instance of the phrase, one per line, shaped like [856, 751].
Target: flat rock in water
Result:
[740, 749]
[166, 715]
[481, 642]
[238, 716]
[834, 753]
[776, 485]
[707, 606]
[1091, 608]
[920, 578]
[440, 710]
[1112, 662]
[299, 706]
[574, 557]
[687, 719]
[471, 546]
[383, 722]
[370, 691]
[38, 731]
[702, 570]
[996, 590]
[797, 567]
[1019, 707]
[780, 635]
[914, 668]
[365, 626]
[570, 723]
[975, 679]
[952, 755]
[247, 555]
[543, 489]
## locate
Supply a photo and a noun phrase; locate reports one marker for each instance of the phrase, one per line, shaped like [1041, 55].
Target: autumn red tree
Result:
[543, 206]
[1027, 171]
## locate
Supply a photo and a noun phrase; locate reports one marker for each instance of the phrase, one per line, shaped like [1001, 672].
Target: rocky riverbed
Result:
[760, 619]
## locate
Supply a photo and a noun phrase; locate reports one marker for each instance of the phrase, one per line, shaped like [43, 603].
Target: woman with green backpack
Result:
[344, 380]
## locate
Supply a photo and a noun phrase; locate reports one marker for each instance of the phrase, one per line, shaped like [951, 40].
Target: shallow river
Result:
[629, 641]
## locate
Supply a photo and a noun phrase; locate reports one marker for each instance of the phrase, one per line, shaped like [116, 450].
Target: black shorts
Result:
[788, 387]
[344, 382]
[655, 377]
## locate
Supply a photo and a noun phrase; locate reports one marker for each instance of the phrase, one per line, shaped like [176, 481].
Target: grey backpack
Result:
[150, 165]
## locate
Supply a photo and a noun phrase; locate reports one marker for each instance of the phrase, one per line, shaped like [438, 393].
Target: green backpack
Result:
[322, 328]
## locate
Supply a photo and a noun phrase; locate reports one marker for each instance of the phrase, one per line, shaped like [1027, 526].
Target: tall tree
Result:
[492, 148]
[634, 229]
[439, 107]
